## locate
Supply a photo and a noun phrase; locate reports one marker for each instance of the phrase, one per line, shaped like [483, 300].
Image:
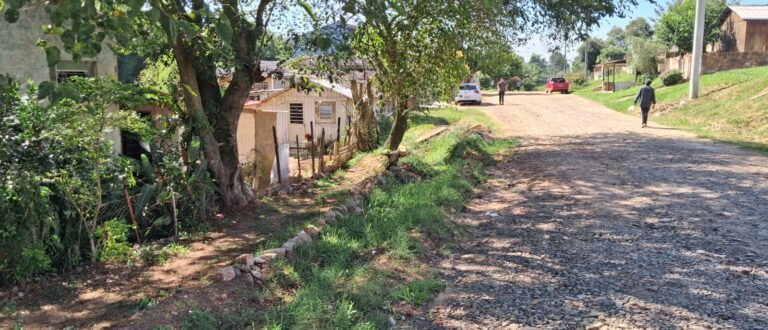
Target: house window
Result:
[297, 113]
[68, 69]
[325, 112]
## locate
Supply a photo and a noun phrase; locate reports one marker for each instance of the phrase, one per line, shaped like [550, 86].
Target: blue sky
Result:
[645, 9]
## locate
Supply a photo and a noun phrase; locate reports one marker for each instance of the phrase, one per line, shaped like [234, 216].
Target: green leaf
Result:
[323, 42]
[11, 15]
[65, 92]
[162, 221]
[52, 55]
[45, 89]
[224, 29]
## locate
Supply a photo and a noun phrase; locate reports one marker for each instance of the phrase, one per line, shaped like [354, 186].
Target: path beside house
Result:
[597, 223]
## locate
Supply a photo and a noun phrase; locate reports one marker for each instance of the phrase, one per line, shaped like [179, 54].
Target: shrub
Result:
[113, 236]
[200, 320]
[672, 77]
[576, 78]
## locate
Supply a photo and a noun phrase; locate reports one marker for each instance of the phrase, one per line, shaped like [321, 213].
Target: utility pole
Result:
[698, 50]
[586, 57]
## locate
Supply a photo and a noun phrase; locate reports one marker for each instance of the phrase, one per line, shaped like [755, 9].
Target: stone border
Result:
[252, 268]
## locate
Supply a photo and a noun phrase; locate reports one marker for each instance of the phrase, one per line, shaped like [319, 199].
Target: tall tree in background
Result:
[494, 58]
[638, 28]
[675, 26]
[595, 48]
[539, 61]
[200, 35]
[558, 65]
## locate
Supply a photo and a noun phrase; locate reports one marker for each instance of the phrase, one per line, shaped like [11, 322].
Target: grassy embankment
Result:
[367, 268]
[724, 112]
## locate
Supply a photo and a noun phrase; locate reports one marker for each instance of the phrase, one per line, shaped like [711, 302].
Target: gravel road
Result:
[596, 223]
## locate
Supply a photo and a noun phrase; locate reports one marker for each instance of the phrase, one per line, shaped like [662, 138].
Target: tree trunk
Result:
[398, 129]
[364, 127]
[222, 156]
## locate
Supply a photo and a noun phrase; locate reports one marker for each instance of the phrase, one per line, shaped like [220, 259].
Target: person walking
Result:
[647, 97]
[502, 90]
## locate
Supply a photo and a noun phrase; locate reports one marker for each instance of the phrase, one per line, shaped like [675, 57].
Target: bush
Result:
[576, 78]
[113, 236]
[672, 77]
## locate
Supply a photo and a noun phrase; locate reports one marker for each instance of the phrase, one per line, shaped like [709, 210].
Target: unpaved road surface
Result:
[603, 225]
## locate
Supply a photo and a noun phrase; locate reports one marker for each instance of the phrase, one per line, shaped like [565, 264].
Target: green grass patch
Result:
[418, 292]
[363, 264]
[724, 111]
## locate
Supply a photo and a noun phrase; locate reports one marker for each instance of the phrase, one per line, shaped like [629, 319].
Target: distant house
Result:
[292, 113]
[745, 29]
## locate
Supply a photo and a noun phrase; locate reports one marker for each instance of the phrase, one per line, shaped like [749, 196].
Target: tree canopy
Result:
[675, 26]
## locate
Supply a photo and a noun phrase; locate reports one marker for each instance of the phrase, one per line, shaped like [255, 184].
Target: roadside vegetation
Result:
[367, 269]
[730, 108]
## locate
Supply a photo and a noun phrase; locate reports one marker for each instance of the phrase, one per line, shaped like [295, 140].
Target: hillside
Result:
[729, 109]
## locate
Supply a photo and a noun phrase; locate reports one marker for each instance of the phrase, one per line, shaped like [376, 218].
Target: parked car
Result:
[469, 93]
[557, 85]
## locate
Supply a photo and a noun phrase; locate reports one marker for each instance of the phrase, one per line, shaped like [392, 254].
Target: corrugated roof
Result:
[334, 87]
[749, 13]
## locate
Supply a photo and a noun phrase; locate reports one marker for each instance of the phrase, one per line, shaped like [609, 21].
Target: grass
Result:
[724, 112]
[364, 264]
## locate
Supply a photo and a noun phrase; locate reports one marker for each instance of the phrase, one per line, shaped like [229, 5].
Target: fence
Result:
[715, 62]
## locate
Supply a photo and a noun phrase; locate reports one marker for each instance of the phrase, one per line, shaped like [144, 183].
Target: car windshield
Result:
[468, 87]
[558, 80]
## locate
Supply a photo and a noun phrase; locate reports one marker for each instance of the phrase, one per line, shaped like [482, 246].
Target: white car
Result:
[469, 93]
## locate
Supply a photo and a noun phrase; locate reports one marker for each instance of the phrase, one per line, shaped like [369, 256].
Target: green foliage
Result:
[113, 238]
[418, 292]
[672, 77]
[675, 26]
[200, 320]
[644, 55]
[638, 28]
[576, 78]
[595, 48]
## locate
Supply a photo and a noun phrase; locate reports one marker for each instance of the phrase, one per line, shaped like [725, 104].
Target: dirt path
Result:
[602, 224]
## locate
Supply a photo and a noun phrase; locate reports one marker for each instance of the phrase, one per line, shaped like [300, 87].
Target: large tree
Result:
[675, 26]
[201, 36]
[638, 28]
[595, 48]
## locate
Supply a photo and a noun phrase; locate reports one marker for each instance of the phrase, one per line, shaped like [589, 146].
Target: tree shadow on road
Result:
[619, 230]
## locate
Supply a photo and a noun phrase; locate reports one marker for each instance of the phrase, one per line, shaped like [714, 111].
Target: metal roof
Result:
[749, 13]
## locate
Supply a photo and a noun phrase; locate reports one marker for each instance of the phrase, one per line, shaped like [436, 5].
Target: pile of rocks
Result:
[252, 268]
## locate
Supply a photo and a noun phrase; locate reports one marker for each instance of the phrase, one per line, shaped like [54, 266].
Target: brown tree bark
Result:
[399, 126]
[364, 126]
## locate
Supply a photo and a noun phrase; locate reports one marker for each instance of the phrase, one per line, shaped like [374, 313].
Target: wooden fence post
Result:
[338, 129]
[277, 155]
[312, 145]
[298, 155]
[322, 151]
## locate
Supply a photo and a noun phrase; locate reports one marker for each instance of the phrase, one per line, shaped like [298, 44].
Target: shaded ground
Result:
[100, 297]
[597, 223]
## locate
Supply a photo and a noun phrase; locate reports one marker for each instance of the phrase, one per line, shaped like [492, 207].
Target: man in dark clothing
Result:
[502, 90]
[647, 97]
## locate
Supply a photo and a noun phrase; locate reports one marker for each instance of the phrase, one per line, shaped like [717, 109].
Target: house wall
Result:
[23, 60]
[281, 103]
[756, 36]
[735, 31]
[715, 62]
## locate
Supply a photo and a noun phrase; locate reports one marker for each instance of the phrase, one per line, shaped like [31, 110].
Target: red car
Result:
[557, 85]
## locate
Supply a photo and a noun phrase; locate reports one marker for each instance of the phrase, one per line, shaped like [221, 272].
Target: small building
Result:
[745, 29]
[292, 113]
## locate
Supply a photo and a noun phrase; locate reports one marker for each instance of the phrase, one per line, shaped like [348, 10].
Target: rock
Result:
[331, 214]
[357, 210]
[392, 322]
[312, 231]
[257, 274]
[245, 260]
[225, 274]
[248, 279]
[274, 254]
[259, 261]
[288, 246]
[322, 222]
[302, 235]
